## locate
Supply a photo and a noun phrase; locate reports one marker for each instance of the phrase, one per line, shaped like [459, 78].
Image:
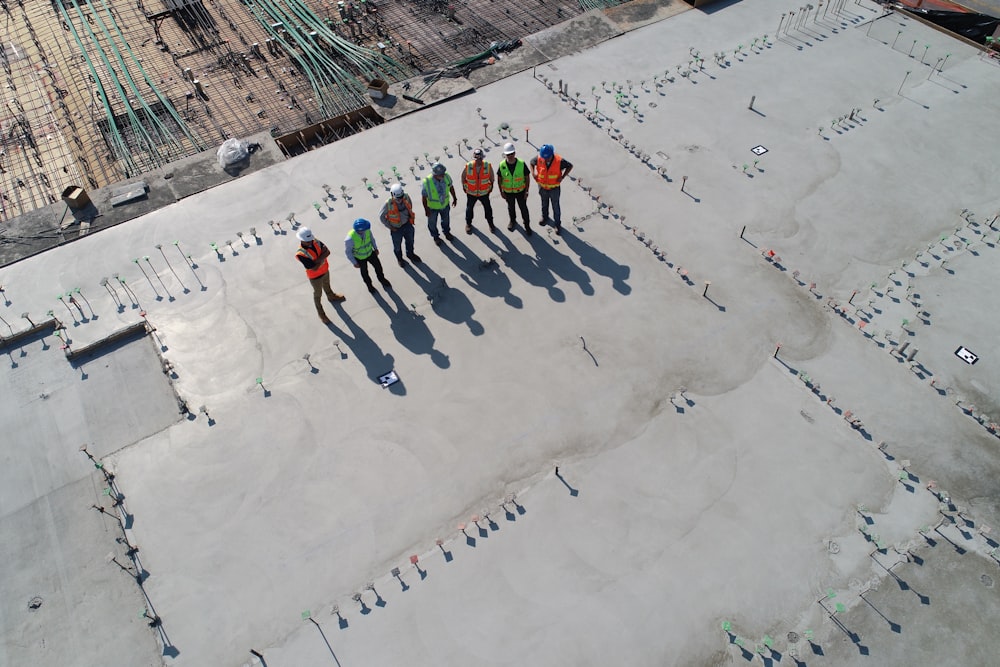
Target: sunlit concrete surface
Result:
[719, 419]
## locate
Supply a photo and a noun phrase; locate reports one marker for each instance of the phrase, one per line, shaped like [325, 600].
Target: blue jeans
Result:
[551, 195]
[404, 233]
[432, 219]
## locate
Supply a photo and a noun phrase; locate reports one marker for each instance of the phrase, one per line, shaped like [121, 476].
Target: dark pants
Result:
[363, 265]
[404, 233]
[520, 199]
[432, 221]
[551, 195]
[470, 203]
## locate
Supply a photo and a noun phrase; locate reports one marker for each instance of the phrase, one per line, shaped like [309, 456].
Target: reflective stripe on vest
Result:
[477, 187]
[430, 187]
[362, 244]
[312, 252]
[548, 176]
[512, 181]
[392, 211]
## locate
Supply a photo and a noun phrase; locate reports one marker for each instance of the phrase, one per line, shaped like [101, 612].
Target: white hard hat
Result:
[305, 234]
[508, 149]
[396, 190]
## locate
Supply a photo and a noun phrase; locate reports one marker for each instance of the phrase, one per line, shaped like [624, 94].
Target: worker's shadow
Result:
[598, 262]
[486, 276]
[529, 269]
[560, 264]
[410, 329]
[371, 356]
[447, 302]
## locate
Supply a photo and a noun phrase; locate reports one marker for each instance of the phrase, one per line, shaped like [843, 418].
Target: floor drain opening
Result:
[36, 602]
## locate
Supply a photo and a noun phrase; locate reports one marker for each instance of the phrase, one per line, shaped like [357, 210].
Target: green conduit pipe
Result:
[165, 102]
[299, 23]
[137, 127]
[328, 71]
[151, 145]
[116, 139]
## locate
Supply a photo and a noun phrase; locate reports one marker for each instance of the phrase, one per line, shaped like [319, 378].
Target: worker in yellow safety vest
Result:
[477, 182]
[313, 253]
[437, 192]
[512, 175]
[549, 170]
[361, 250]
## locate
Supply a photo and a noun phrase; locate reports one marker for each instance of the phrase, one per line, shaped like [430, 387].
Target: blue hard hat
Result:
[361, 225]
[546, 151]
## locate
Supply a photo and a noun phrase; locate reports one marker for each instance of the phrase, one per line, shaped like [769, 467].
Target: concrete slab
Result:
[738, 433]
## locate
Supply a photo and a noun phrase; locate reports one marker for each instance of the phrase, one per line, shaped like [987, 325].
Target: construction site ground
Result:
[742, 410]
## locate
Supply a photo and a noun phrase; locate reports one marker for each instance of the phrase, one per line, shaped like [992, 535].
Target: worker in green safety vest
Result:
[512, 175]
[361, 250]
[437, 192]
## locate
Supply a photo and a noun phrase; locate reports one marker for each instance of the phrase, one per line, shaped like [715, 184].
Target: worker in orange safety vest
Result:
[477, 182]
[549, 169]
[313, 254]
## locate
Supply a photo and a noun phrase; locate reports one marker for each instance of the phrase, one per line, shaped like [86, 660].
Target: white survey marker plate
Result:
[966, 355]
[758, 150]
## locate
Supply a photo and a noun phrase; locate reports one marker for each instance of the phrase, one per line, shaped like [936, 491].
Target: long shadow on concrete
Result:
[528, 268]
[484, 275]
[410, 329]
[375, 361]
[598, 262]
[560, 264]
[447, 302]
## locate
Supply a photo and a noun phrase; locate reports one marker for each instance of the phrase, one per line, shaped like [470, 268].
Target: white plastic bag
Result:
[231, 151]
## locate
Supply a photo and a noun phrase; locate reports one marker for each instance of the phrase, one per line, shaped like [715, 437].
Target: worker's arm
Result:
[566, 168]
[382, 215]
[349, 251]
[454, 197]
[323, 253]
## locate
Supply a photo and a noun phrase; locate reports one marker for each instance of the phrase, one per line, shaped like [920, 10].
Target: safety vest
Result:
[392, 211]
[313, 250]
[362, 244]
[430, 187]
[512, 181]
[548, 176]
[477, 187]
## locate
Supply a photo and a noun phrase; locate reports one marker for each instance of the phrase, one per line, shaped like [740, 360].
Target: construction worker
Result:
[549, 169]
[397, 215]
[361, 250]
[435, 193]
[313, 254]
[477, 182]
[512, 175]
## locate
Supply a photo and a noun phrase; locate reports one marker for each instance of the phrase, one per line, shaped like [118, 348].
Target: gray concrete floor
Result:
[711, 498]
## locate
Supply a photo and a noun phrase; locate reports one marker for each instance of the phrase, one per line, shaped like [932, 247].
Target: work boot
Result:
[399, 259]
[468, 228]
[448, 236]
[511, 226]
[437, 240]
[415, 258]
[492, 228]
[527, 228]
[324, 319]
[337, 298]
[386, 284]
[371, 288]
